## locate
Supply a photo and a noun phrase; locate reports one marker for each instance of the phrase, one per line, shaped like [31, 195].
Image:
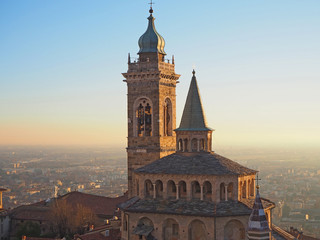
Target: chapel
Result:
[178, 187]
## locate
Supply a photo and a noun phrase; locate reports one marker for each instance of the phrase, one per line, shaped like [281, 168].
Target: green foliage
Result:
[29, 229]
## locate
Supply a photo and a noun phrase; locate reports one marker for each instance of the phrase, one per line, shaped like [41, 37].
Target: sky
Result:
[256, 62]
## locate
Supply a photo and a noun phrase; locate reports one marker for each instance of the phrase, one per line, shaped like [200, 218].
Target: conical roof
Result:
[193, 118]
[151, 41]
[258, 221]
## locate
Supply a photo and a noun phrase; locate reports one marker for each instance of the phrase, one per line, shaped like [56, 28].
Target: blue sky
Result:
[257, 65]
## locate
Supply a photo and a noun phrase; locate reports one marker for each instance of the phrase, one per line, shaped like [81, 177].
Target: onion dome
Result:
[151, 41]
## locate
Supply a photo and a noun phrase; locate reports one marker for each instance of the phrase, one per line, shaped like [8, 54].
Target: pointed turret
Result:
[193, 134]
[193, 118]
[258, 226]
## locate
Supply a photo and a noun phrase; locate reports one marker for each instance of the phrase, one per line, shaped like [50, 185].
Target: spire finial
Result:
[193, 72]
[257, 179]
[151, 3]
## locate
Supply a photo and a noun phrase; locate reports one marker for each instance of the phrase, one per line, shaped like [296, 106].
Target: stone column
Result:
[198, 146]
[247, 190]
[154, 191]
[177, 191]
[226, 192]
[189, 191]
[201, 186]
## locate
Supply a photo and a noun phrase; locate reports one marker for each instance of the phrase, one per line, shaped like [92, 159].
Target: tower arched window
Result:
[194, 145]
[143, 118]
[167, 116]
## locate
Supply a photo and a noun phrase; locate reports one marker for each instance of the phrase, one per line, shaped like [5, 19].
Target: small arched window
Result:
[222, 192]
[194, 145]
[185, 145]
[201, 147]
[143, 118]
[167, 122]
[230, 191]
[244, 190]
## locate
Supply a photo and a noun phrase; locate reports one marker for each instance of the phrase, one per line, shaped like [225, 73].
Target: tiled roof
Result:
[280, 234]
[114, 234]
[98, 204]
[39, 238]
[193, 118]
[299, 235]
[192, 208]
[40, 211]
[203, 163]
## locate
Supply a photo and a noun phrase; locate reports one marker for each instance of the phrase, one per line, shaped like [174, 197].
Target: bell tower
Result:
[151, 82]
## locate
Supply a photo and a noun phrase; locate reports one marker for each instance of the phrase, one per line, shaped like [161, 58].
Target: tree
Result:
[29, 229]
[68, 219]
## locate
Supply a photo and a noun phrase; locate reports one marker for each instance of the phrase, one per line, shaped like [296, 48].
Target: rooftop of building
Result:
[192, 208]
[41, 211]
[199, 163]
[100, 234]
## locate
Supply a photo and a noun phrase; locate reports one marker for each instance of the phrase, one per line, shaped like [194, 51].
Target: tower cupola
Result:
[151, 41]
[193, 134]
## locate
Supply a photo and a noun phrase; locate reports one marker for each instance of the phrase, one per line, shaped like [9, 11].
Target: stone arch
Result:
[234, 230]
[180, 145]
[222, 192]
[142, 119]
[195, 190]
[207, 191]
[194, 145]
[144, 223]
[244, 189]
[148, 189]
[230, 191]
[182, 190]
[171, 190]
[170, 229]
[197, 230]
[159, 189]
[185, 145]
[167, 117]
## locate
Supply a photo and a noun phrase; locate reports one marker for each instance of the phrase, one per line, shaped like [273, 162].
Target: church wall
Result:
[249, 188]
[165, 178]
[237, 231]
[158, 221]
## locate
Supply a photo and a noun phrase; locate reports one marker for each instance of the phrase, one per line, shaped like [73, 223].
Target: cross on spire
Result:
[257, 181]
[151, 3]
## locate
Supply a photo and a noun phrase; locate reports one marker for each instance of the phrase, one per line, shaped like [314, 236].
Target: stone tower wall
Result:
[155, 81]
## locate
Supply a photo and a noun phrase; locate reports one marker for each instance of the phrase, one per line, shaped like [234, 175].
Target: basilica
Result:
[178, 187]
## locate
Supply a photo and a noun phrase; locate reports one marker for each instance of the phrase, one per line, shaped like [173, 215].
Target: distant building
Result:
[41, 212]
[4, 219]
